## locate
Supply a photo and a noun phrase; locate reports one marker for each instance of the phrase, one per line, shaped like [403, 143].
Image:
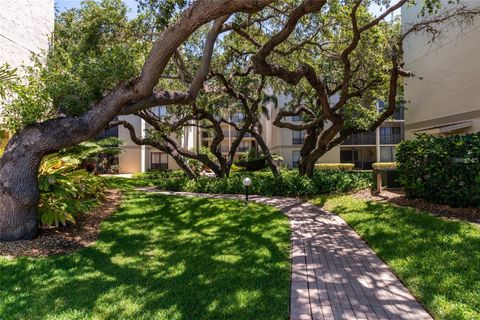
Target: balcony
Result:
[399, 114]
[391, 139]
[393, 134]
[234, 134]
[241, 148]
[159, 166]
[298, 140]
[361, 139]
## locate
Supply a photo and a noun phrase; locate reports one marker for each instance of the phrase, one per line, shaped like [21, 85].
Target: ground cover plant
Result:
[438, 260]
[290, 183]
[161, 257]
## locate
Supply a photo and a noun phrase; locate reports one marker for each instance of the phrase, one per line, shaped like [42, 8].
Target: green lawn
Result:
[162, 257]
[438, 260]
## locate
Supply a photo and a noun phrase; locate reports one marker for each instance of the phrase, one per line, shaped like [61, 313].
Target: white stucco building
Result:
[25, 28]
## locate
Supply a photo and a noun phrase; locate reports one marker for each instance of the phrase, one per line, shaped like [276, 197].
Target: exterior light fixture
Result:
[246, 183]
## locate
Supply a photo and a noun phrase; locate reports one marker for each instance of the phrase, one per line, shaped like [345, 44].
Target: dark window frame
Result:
[158, 165]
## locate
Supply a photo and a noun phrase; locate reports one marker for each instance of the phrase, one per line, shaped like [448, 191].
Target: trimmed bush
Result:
[335, 166]
[264, 183]
[384, 165]
[444, 170]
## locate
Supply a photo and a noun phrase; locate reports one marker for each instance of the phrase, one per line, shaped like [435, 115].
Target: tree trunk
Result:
[306, 167]
[183, 165]
[19, 195]
[266, 152]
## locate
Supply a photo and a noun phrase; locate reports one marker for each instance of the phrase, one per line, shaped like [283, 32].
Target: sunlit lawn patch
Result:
[438, 260]
[162, 257]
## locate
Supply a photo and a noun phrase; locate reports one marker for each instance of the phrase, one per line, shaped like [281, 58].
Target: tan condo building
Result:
[362, 149]
[444, 96]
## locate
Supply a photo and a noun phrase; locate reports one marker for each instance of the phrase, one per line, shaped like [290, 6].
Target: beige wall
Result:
[446, 86]
[130, 160]
[280, 139]
[25, 28]
[136, 158]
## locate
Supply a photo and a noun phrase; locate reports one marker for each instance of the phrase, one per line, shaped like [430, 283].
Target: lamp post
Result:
[246, 183]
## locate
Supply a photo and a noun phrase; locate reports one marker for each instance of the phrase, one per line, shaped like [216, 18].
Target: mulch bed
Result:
[63, 240]
[397, 197]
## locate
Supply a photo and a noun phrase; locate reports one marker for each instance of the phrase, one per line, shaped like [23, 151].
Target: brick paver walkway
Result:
[335, 275]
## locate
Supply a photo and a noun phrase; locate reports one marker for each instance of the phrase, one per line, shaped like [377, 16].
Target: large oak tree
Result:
[312, 47]
[19, 194]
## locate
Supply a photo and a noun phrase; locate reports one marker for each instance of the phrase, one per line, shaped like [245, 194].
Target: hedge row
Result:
[335, 166]
[444, 170]
[264, 183]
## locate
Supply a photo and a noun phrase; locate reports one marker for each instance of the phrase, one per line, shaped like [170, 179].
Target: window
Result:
[297, 118]
[399, 113]
[391, 134]
[159, 161]
[387, 154]
[160, 111]
[243, 146]
[298, 137]
[295, 157]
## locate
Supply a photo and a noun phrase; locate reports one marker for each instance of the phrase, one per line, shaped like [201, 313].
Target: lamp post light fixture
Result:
[246, 183]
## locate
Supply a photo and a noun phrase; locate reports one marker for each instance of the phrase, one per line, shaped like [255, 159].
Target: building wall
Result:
[135, 158]
[446, 86]
[279, 140]
[25, 28]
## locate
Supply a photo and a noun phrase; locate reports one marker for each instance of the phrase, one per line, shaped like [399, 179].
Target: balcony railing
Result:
[399, 115]
[159, 166]
[361, 139]
[395, 138]
[298, 140]
[234, 134]
[225, 149]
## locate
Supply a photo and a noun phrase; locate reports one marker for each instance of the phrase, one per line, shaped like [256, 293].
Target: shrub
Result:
[252, 165]
[335, 166]
[64, 191]
[384, 165]
[264, 183]
[159, 174]
[444, 170]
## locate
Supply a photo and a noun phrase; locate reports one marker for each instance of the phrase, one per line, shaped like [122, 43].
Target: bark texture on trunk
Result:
[19, 194]
[266, 152]
[306, 167]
